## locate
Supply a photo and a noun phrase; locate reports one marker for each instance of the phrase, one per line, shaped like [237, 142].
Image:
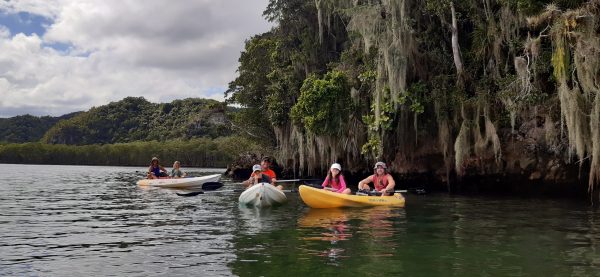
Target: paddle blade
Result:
[193, 193]
[420, 191]
[212, 185]
[314, 183]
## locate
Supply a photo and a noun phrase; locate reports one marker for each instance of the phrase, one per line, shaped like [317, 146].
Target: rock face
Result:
[533, 161]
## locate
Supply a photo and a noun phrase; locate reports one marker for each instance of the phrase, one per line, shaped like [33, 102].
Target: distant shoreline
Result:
[203, 153]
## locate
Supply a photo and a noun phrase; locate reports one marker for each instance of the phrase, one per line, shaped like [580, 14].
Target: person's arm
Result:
[151, 172]
[249, 182]
[365, 181]
[324, 185]
[342, 184]
[162, 168]
[183, 174]
[391, 184]
[273, 178]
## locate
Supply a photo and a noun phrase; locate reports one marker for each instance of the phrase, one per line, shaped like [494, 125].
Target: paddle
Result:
[194, 193]
[218, 185]
[296, 180]
[418, 191]
[212, 185]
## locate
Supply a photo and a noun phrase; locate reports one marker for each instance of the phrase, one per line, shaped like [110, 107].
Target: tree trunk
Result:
[455, 47]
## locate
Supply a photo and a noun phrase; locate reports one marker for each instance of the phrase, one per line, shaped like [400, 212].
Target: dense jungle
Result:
[493, 95]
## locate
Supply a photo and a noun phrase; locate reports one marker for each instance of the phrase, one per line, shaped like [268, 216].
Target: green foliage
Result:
[367, 77]
[358, 65]
[324, 104]
[27, 128]
[375, 128]
[414, 97]
[278, 71]
[530, 7]
[134, 118]
[373, 145]
[274, 65]
[202, 152]
[251, 88]
[561, 60]
[437, 7]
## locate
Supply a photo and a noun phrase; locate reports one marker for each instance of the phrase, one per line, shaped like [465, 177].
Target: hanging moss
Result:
[461, 148]
[574, 31]
[512, 65]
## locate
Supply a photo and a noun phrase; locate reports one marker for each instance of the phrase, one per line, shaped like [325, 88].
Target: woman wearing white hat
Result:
[381, 179]
[335, 180]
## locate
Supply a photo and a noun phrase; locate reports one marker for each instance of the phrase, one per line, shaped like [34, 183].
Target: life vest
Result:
[270, 173]
[156, 171]
[380, 183]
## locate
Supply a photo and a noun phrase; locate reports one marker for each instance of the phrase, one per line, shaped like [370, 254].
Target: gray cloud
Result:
[161, 50]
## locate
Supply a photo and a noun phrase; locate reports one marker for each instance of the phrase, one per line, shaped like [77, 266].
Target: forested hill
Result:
[27, 128]
[135, 119]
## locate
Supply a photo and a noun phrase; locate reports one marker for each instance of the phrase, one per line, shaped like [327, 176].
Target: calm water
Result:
[81, 221]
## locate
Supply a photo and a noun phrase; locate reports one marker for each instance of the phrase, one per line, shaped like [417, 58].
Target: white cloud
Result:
[4, 32]
[161, 50]
[46, 8]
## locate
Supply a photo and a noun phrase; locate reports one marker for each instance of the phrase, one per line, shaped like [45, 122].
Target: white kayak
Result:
[191, 182]
[262, 195]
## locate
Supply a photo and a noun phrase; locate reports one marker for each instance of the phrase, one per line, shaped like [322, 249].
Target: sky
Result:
[61, 56]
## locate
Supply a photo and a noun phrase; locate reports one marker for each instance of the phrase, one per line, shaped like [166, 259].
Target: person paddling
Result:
[381, 179]
[335, 180]
[257, 177]
[156, 170]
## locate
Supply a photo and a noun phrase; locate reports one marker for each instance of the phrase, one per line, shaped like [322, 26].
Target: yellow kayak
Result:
[320, 198]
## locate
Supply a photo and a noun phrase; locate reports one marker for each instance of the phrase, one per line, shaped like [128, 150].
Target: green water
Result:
[433, 236]
[81, 221]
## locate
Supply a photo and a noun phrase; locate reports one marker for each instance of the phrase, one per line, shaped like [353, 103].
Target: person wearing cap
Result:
[265, 165]
[176, 172]
[257, 177]
[335, 180]
[156, 170]
[381, 179]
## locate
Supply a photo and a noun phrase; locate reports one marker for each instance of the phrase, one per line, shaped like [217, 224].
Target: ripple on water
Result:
[76, 221]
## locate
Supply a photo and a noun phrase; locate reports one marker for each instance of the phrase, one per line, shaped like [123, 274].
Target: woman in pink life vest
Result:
[382, 180]
[335, 180]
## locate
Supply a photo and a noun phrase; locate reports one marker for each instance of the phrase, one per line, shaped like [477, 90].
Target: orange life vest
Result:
[380, 183]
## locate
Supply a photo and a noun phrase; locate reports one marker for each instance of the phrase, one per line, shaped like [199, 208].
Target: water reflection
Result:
[331, 224]
[372, 230]
[255, 220]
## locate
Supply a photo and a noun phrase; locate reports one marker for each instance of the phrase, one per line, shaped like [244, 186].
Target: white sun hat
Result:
[378, 164]
[336, 166]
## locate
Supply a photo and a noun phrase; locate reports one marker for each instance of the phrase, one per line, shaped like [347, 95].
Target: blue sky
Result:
[24, 22]
[61, 56]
